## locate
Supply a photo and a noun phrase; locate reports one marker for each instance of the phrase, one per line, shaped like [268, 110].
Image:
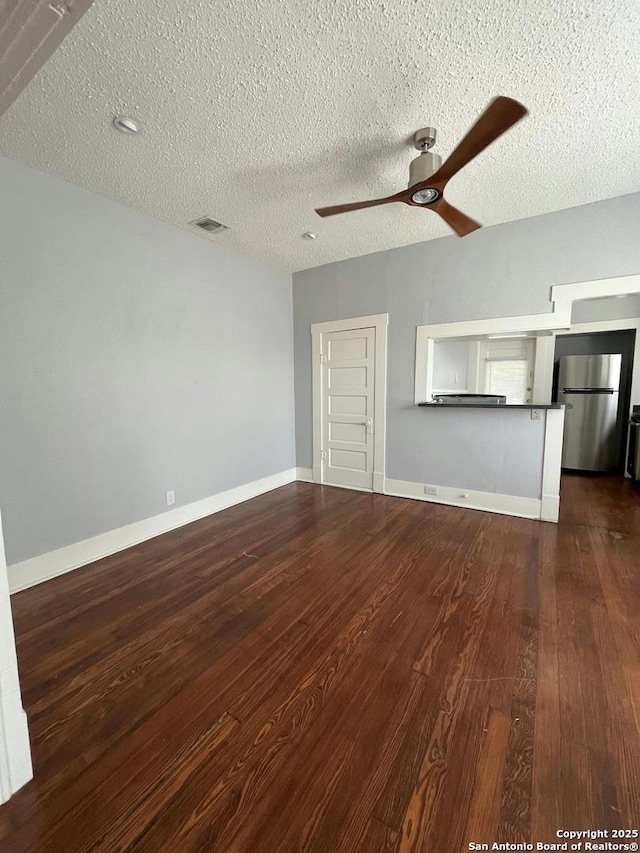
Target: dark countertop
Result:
[492, 406]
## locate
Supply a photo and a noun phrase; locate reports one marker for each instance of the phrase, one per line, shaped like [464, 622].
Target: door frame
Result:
[15, 750]
[380, 322]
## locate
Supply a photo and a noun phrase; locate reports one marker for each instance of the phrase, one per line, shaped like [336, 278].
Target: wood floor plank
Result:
[380, 677]
[446, 660]
[485, 798]
[583, 712]
[273, 734]
[615, 636]
[495, 685]
[326, 671]
[425, 799]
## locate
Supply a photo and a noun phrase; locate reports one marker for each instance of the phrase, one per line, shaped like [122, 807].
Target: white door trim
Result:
[380, 322]
[377, 320]
[15, 751]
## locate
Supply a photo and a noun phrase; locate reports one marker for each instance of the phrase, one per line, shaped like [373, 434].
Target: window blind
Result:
[507, 376]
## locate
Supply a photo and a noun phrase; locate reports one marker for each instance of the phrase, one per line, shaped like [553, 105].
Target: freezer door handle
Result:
[588, 390]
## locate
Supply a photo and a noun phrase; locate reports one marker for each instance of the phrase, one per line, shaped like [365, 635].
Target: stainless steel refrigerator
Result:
[590, 384]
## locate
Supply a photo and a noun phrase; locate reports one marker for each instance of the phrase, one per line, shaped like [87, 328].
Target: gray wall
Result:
[134, 358]
[500, 271]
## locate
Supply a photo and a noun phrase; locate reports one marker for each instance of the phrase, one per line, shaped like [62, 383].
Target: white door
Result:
[348, 361]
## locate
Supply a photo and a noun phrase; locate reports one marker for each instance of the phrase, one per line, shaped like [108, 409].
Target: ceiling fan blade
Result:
[501, 114]
[356, 205]
[456, 219]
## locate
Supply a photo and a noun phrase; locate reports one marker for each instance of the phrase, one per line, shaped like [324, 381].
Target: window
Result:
[506, 367]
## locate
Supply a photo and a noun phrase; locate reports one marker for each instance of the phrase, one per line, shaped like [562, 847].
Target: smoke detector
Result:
[207, 223]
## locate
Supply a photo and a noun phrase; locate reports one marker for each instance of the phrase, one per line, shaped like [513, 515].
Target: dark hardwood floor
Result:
[330, 671]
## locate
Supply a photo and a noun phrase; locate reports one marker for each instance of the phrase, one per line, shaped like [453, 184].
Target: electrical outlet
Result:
[535, 414]
[431, 490]
[171, 497]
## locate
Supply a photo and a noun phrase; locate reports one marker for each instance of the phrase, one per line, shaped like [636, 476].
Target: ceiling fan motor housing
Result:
[423, 166]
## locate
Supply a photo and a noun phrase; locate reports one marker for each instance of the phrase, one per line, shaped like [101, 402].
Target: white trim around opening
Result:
[557, 321]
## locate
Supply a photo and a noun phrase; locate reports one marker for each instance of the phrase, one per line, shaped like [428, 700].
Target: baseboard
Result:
[15, 752]
[348, 488]
[39, 569]
[547, 509]
[305, 475]
[468, 498]
[550, 508]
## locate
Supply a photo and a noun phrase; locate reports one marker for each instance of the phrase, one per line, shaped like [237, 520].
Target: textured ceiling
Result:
[255, 111]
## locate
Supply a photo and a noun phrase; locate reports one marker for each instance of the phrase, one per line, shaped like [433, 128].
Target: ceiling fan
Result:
[428, 178]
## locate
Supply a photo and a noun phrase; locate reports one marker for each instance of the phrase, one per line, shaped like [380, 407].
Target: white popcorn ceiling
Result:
[257, 111]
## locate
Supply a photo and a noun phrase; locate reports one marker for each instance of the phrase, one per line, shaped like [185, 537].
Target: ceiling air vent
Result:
[209, 224]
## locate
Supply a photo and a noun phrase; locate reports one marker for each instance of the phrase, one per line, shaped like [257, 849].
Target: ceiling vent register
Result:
[210, 225]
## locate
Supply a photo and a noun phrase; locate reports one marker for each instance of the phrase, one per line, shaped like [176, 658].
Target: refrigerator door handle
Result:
[589, 391]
